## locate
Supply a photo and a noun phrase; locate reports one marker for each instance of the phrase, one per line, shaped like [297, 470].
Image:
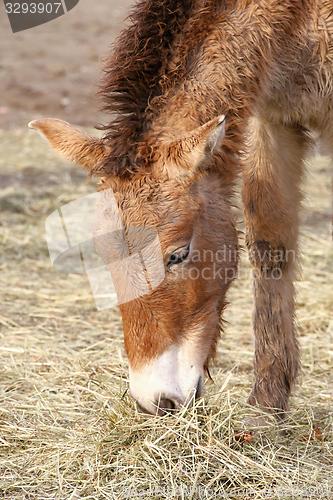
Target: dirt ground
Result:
[54, 69]
[68, 429]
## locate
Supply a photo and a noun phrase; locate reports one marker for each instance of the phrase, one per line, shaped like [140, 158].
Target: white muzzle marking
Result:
[175, 375]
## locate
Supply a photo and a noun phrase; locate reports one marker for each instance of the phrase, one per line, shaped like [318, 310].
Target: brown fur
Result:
[87, 151]
[267, 64]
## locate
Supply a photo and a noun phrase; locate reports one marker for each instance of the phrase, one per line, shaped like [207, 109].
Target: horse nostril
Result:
[166, 404]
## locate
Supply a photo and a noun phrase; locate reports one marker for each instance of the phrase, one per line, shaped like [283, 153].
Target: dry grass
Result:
[68, 430]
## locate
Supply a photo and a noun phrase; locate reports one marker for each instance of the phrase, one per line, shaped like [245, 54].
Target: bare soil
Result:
[54, 69]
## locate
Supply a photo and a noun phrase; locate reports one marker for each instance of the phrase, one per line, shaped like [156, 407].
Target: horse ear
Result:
[189, 151]
[74, 145]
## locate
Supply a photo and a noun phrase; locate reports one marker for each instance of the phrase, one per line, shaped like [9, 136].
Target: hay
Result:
[68, 429]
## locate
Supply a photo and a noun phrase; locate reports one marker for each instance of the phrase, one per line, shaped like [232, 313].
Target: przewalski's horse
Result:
[180, 65]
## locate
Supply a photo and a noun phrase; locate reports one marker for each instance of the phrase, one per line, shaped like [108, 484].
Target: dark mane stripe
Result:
[134, 72]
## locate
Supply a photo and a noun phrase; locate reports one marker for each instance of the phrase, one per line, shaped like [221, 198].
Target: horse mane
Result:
[152, 53]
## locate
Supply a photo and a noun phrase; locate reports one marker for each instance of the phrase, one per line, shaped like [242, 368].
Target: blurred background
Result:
[54, 69]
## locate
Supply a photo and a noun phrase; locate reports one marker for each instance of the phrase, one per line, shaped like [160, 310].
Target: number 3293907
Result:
[33, 7]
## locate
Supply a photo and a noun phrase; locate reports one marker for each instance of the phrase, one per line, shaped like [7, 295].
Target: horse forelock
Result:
[152, 54]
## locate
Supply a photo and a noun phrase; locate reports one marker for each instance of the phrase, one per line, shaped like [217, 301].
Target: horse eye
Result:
[178, 256]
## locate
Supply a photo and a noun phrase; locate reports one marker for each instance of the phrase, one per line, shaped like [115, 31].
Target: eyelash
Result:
[178, 257]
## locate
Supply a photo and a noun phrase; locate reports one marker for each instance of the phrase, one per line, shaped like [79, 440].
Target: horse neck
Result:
[232, 66]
